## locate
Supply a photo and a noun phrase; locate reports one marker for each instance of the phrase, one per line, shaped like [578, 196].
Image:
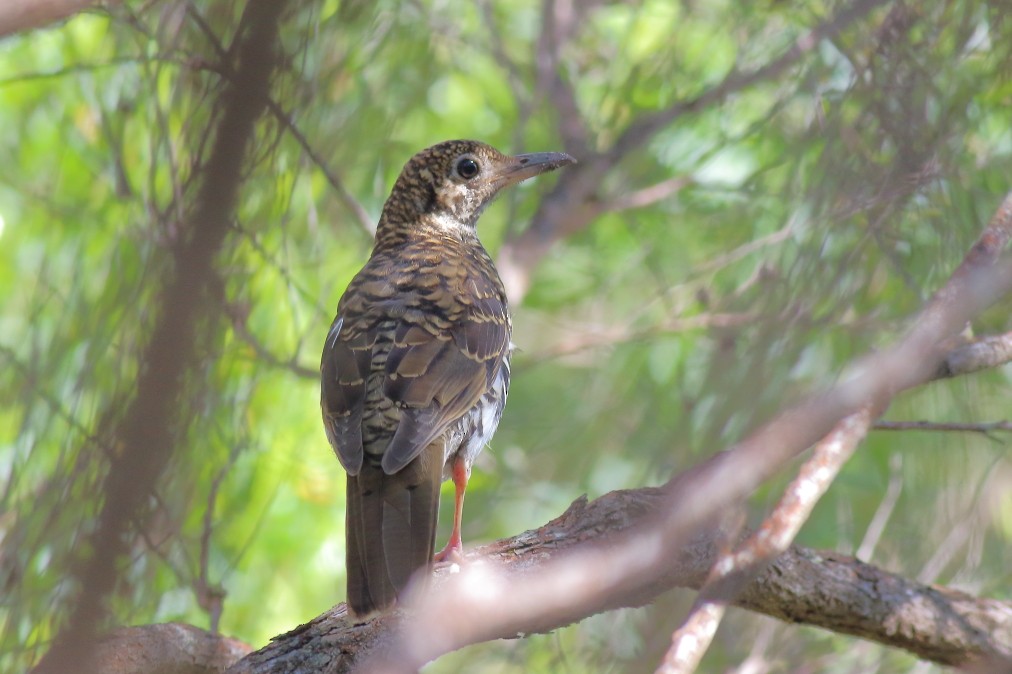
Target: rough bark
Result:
[170, 648]
[823, 589]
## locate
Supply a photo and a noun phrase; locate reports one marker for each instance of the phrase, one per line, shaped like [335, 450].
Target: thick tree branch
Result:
[818, 588]
[169, 648]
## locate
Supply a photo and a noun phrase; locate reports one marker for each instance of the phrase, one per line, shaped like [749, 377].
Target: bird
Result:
[416, 364]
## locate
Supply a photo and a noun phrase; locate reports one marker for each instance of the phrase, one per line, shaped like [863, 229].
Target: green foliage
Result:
[821, 206]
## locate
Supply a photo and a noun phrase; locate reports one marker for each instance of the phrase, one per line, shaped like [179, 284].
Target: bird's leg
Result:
[454, 550]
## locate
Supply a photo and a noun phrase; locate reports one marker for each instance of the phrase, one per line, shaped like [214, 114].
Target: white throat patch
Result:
[445, 222]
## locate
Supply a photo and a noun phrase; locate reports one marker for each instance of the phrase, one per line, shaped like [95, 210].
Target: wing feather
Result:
[437, 378]
[443, 353]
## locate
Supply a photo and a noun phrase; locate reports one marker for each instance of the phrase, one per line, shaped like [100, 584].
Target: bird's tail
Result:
[390, 528]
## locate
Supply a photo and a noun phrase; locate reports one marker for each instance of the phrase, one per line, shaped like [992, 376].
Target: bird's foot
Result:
[453, 553]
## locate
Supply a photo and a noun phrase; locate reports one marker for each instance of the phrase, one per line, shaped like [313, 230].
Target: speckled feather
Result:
[415, 369]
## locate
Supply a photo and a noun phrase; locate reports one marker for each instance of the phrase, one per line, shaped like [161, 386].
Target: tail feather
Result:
[391, 528]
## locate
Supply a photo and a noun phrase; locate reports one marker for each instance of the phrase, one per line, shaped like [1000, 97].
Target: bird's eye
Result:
[467, 168]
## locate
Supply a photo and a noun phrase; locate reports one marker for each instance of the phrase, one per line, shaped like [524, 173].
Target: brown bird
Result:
[415, 368]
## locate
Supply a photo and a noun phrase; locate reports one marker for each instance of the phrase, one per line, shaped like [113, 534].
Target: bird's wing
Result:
[436, 371]
[344, 368]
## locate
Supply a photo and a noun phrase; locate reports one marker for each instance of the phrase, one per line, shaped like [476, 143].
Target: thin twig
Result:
[647, 195]
[884, 511]
[571, 205]
[222, 68]
[211, 596]
[985, 427]
[746, 249]
[647, 126]
[263, 354]
[599, 337]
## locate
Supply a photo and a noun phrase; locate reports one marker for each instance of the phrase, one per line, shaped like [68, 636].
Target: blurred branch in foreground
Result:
[145, 436]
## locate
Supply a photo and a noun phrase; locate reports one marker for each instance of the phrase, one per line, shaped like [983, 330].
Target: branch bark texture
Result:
[807, 586]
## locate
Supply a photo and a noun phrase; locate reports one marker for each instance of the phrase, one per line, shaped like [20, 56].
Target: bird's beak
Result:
[524, 166]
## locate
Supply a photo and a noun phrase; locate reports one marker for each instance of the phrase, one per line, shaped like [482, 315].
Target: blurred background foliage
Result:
[736, 261]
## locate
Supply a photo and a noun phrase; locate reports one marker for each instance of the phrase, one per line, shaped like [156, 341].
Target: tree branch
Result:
[818, 588]
[980, 354]
[168, 648]
[571, 206]
[146, 434]
[19, 15]
[222, 69]
[734, 570]
[985, 427]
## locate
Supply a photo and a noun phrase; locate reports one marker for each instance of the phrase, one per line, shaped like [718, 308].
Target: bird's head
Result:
[450, 184]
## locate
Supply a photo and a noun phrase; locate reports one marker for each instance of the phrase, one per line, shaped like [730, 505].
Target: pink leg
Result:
[454, 550]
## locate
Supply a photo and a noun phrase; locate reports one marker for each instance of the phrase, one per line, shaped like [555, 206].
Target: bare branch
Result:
[223, 69]
[211, 596]
[884, 511]
[362, 217]
[984, 353]
[522, 97]
[746, 249]
[600, 336]
[644, 128]
[690, 641]
[168, 647]
[732, 571]
[985, 427]
[264, 355]
[559, 22]
[19, 15]
[818, 588]
[647, 195]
